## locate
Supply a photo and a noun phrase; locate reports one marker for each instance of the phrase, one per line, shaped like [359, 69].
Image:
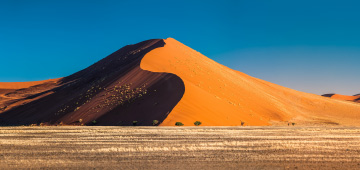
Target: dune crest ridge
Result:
[219, 96]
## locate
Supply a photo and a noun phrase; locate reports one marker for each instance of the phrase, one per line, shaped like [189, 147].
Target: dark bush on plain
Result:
[155, 122]
[197, 123]
[179, 124]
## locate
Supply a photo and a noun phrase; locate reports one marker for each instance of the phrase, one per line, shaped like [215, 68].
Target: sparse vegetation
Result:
[306, 148]
[242, 123]
[293, 124]
[134, 123]
[179, 124]
[197, 123]
[94, 122]
[155, 122]
[80, 120]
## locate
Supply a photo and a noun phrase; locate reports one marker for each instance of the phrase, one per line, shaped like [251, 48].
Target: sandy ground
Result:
[180, 147]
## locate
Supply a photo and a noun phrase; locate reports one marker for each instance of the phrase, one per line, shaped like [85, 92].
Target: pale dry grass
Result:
[180, 147]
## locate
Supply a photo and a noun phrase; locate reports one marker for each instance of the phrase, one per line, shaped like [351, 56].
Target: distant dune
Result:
[355, 98]
[20, 85]
[167, 81]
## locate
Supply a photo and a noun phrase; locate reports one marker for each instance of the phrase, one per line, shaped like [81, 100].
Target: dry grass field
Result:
[180, 147]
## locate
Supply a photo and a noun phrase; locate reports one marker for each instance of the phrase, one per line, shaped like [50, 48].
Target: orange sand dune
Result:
[217, 95]
[20, 85]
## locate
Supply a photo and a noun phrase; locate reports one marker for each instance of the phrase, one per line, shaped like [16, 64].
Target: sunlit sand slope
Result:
[217, 95]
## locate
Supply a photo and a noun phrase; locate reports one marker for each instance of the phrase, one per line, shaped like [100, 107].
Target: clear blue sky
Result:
[312, 46]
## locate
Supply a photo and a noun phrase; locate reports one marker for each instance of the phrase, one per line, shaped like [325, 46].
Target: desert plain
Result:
[111, 147]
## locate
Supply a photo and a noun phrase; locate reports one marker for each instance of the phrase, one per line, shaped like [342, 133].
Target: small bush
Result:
[76, 109]
[197, 123]
[80, 120]
[242, 123]
[155, 122]
[134, 123]
[293, 124]
[179, 124]
[93, 122]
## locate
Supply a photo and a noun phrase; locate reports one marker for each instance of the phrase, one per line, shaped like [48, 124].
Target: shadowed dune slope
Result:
[113, 91]
[217, 95]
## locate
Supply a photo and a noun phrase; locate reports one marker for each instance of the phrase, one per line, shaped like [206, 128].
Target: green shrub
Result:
[94, 122]
[197, 123]
[179, 124]
[134, 123]
[155, 122]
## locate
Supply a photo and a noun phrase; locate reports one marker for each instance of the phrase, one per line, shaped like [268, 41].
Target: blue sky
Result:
[305, 45]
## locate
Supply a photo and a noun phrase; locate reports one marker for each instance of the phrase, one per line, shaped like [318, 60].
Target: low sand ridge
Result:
[20, 85]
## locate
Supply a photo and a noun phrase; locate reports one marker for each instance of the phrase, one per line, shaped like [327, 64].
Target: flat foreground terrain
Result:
[180, 147]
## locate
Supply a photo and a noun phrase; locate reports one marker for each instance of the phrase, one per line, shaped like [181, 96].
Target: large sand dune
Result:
[167, 81]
